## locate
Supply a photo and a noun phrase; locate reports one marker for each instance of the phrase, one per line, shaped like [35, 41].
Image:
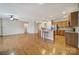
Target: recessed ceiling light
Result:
[40, 3]
[51, 16]
[63, 13]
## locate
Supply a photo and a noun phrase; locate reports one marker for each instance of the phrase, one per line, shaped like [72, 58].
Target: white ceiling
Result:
[37, 11]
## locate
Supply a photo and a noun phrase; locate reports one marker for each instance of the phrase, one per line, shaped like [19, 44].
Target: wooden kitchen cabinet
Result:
[63, 24]
[71, 38]
[59, 32]
[74, 19]
[66, 24]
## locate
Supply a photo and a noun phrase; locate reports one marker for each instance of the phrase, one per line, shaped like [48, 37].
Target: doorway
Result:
[25, 27]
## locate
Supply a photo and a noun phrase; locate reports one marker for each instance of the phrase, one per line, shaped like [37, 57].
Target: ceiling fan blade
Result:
[15, 19]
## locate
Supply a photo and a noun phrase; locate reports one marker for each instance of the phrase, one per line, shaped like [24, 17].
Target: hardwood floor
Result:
[32, 44]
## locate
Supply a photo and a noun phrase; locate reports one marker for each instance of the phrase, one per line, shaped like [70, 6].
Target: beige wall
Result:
[0, 26]
[12, 27]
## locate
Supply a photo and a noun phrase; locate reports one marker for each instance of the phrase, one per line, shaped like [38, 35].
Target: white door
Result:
[25, 27]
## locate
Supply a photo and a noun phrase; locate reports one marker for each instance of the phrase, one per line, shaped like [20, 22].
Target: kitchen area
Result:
[69, 29]
[72, 35]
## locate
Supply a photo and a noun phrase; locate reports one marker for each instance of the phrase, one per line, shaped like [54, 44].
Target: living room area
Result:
[39, 29]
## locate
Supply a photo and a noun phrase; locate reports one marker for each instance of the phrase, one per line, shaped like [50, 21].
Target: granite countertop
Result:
[71, 32]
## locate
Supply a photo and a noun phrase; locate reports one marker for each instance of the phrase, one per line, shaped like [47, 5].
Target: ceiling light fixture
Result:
[11, 17]
[63, 13]
[40, 3]
[51, 16]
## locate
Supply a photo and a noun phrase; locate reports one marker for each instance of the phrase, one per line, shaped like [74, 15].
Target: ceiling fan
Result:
[13, 18]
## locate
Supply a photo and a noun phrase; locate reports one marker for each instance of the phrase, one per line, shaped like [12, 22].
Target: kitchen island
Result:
[47, 34]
